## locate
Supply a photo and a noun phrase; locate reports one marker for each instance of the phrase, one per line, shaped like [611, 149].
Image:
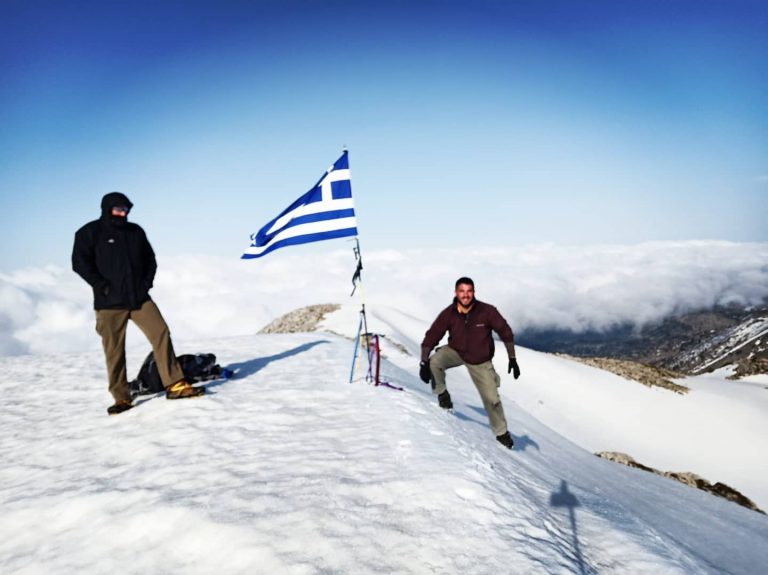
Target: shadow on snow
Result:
[565, 499]
[251, 366]
[522, 442]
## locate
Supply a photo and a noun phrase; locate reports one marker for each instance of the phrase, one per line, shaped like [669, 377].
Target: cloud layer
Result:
[49, 310]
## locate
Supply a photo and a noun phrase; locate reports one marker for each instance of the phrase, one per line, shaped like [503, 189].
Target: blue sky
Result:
[468, 123]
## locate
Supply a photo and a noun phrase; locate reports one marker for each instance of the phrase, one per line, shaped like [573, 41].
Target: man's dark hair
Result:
[466, 281]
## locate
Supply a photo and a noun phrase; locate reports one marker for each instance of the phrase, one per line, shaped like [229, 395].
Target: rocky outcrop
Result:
[690, 479]
[300, 320]
[645, 374]
[754, 364]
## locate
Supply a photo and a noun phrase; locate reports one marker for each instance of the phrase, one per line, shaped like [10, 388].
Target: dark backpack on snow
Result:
[197, 367]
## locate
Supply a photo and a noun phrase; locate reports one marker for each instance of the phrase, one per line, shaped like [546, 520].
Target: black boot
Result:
[505, 439]
[119, 407]
[444, 400]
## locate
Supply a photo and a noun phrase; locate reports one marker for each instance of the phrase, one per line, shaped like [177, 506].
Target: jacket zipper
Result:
[466, 332]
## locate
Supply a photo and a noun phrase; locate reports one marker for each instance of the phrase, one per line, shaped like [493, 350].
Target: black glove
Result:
[513, 367]
[424, 372]
[105, 290]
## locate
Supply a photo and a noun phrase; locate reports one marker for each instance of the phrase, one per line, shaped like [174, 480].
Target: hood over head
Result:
[111, 200]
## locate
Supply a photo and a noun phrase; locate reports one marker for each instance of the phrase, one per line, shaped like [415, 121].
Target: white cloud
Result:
[594, 287]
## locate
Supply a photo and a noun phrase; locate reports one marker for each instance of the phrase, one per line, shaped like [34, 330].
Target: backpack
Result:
[197, 367]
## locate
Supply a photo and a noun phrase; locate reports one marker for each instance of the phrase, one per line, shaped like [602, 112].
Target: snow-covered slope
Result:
[289, 469]
[739, 344]
[712, 431]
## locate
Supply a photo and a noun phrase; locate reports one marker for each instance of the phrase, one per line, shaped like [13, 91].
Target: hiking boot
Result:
[119, 407]
[505, 439]
[182, 389]
[444, 400]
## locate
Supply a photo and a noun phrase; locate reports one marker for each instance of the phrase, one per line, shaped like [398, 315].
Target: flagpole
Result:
[357, 277]
[357, 280]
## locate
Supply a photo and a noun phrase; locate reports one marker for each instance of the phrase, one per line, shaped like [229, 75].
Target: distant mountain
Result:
[691, 343]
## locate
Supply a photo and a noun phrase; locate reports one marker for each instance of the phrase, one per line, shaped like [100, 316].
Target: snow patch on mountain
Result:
[737, 345]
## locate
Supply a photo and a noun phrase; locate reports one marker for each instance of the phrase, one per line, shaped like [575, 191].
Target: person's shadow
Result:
[522, 442]
[246, 368]
[565, 498]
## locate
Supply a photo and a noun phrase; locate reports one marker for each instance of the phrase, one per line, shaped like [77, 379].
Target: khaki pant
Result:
[111, 325]
[484, 377]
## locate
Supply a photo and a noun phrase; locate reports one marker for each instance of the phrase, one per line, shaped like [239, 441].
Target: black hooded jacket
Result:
[114, 256]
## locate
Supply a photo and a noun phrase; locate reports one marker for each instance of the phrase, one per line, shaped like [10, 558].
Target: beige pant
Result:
[484, 377]
[111, 325]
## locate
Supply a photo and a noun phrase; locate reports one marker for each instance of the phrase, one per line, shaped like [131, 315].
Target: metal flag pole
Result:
[372, 344]
[372, 340]
[362, 328]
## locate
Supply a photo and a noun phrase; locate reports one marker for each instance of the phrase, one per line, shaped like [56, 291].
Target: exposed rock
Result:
[754, 364]
[645, 374]
[300, 320]
[731, 494]
[624, 459]
[690, 479]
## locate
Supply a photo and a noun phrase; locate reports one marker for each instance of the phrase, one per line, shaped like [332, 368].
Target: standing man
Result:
[114, 256]
[469, 324]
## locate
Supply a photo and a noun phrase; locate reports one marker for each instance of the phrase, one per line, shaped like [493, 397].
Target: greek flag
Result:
[323, 213]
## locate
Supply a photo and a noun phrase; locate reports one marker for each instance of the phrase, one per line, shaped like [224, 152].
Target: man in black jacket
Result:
[114, 256]
[469, 324]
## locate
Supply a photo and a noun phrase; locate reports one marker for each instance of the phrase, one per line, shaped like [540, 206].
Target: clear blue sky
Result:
[468, 123]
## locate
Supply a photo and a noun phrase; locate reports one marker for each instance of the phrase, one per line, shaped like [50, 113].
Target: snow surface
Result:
[760, 378]
[287, 468]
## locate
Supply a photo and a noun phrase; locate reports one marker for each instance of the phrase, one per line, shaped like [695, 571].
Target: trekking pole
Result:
[357, 345]
[377, 351]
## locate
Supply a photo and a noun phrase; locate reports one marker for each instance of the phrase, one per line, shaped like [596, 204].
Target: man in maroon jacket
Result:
[469, 324]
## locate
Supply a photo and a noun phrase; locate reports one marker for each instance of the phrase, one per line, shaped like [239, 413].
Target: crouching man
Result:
[114, 256]
[469, 324]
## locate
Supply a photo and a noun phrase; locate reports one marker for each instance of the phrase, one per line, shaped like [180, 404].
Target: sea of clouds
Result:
[49, 309]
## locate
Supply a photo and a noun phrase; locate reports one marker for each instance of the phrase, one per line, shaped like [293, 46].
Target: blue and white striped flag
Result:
[323, 213]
